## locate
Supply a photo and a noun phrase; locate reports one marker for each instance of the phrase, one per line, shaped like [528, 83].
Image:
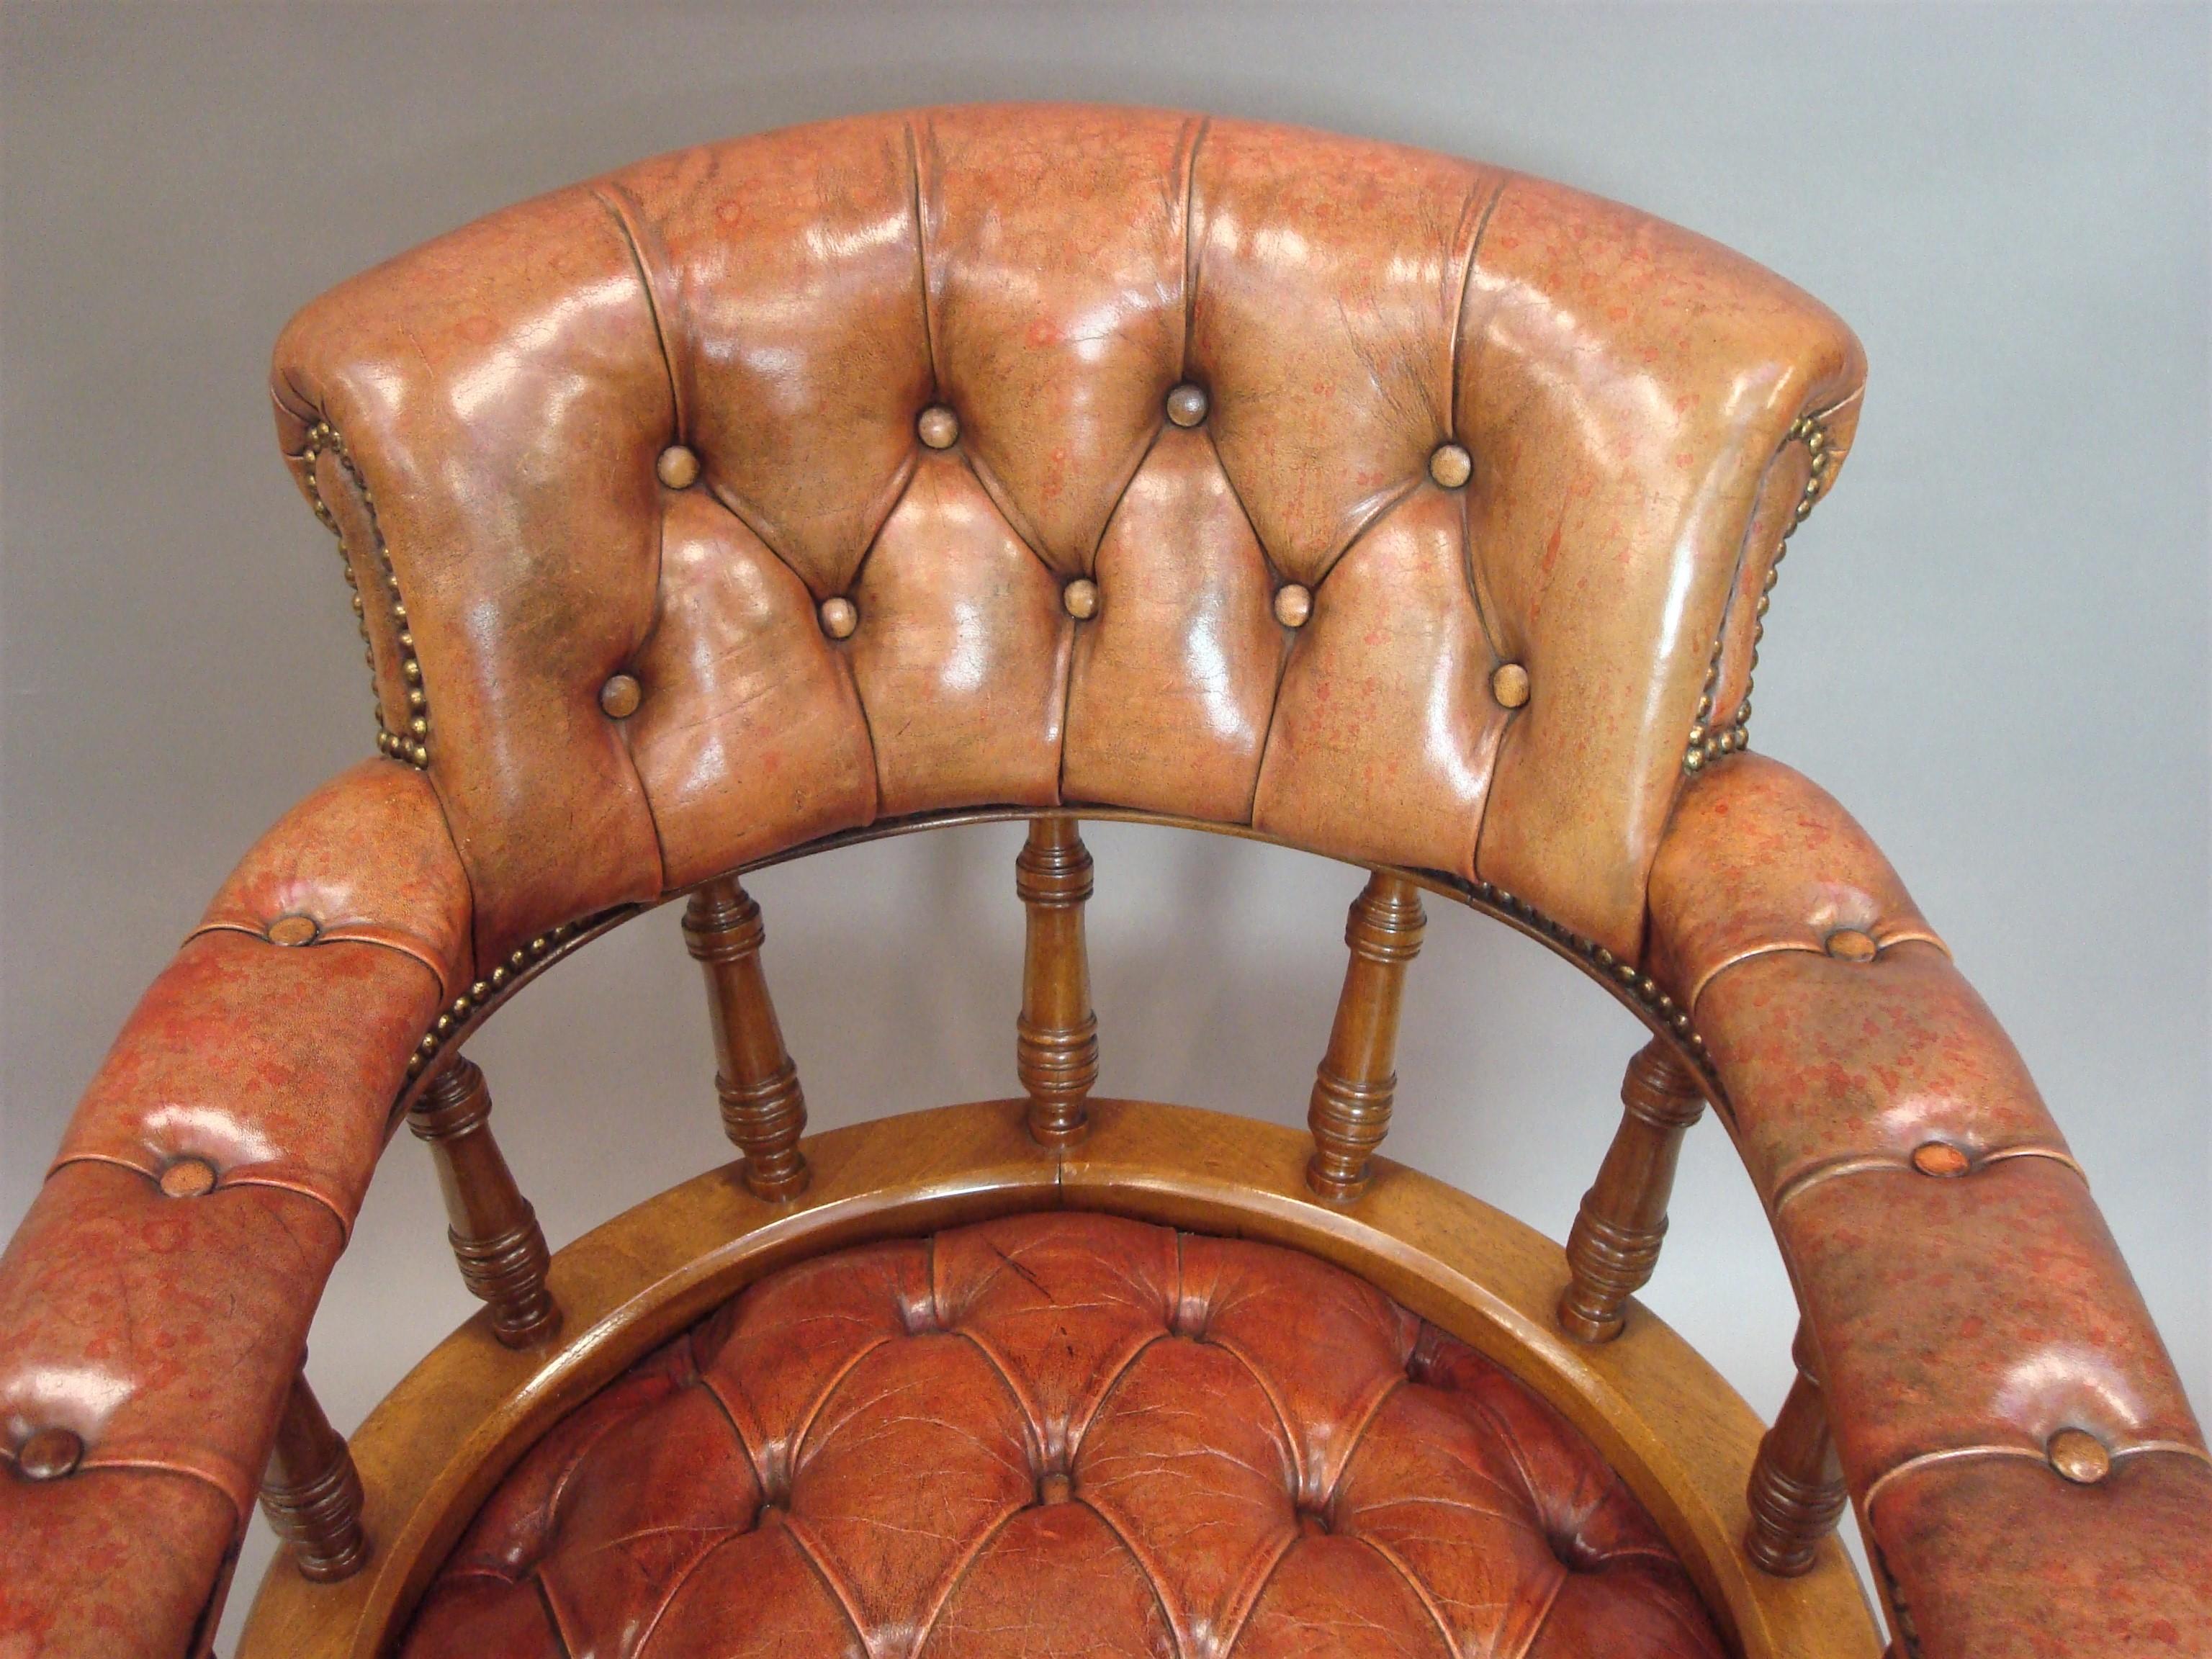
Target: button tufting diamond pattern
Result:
[1063, 1434]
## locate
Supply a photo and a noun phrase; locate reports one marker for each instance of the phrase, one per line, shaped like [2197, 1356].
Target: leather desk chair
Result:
[1053, 464]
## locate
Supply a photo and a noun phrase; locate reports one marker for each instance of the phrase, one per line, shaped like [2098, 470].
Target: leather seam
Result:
[242, 1510]
[1550, 1602]
[1248, 1602]
[729, 1536]
[223, 1183]
[1920, 1461]
[1466, 287]
[617, 209]
[1920, 935]
[1901, 1163]
[958, 1575]
[706, 1384]
[1359, 1436]
[805, 1426]
[840, 1592]
[1421, 1592]
[922, 257]
[1190, 239]
[1150, 1582]
[1282, 1416]
[552, 1614]
[340, 935]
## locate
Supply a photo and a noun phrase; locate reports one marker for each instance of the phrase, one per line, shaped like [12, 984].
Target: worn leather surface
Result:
[1962, 1321]
[163, 1331]
[786, 308]
[1063, 1434]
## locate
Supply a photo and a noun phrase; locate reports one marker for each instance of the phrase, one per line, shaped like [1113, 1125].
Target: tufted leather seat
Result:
[1058, 1435]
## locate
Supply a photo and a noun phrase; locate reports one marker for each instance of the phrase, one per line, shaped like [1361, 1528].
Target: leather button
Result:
[2082, 1458]
[1293, 605]
[1509, 685]
[839, 618]
[938, 427]
[1851, 944]
[293, 929]
[1079, 598]
[1940, 1158]
[188, 1177]
[1055, 1488]
[49, 1454]
[1187, 404]
[1450, 465]
[620, 696]
[677, 467]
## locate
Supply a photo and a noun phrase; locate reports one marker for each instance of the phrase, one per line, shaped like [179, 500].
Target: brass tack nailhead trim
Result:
[410, 742]
[457, 1013]
[1640, 986]
[1707, 746]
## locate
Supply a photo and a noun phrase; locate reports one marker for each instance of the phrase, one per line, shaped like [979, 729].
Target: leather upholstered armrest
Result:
[155, 1303]
[1967, 1304]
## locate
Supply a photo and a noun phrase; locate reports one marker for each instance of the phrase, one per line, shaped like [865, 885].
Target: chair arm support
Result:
[155, 1302]
[1966, 1302]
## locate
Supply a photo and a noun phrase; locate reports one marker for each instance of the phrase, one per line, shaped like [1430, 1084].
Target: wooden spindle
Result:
[763, 1111]
[1615, 1243]
[1352, 1088]
[311, 1492]
[494, 1231]
[1796, 1494]
[1056, 1039]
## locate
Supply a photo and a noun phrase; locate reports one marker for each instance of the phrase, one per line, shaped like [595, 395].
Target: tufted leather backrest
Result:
[922, 365]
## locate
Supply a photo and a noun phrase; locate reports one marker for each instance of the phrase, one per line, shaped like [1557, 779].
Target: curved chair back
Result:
[1398, 507]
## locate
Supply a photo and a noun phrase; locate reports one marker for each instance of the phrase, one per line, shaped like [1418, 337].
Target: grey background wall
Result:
[1991, 643]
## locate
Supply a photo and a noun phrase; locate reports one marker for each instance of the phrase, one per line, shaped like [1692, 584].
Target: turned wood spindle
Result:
[1057, 1038]
[1358, 1076]
[311, 1492]
[763, 1111]
[1796, 1494]
[1615, 1243]
[494, 1231]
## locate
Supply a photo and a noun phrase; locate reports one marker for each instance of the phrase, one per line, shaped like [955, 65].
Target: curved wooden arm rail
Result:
[1048, 462]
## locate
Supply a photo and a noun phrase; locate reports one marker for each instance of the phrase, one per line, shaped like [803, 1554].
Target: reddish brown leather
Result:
[1063, 1434]
[785, 307]
[1960, 1322]
[164, 1331]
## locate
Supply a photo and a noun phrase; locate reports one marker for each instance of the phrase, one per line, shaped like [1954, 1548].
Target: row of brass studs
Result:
[411, 743]
[1662, 1008]
[1706, 745]
[482, 992]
